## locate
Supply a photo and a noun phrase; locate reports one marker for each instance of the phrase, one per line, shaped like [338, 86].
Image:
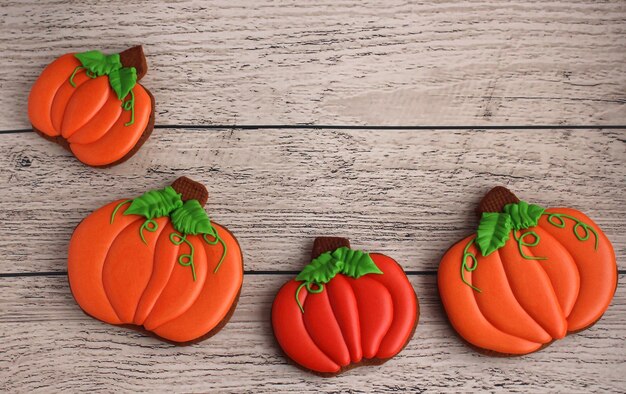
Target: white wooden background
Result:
[384, 122]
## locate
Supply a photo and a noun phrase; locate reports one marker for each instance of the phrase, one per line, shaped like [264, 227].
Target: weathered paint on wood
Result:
[340, 61]
[48, 344]
[409, 194]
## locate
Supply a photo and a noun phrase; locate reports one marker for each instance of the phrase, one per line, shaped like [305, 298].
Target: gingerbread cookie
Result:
[158, 263]
[346, 308]
[92, 105]
[527, 277]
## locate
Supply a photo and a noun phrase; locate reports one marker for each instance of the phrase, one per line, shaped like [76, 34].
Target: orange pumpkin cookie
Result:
[527, 277]
[157, 262]
[92, 105]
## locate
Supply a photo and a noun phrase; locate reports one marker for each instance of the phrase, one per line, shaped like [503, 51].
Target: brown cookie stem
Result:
[327, 244]
[191, 190]
[496, 199]
[134, 57]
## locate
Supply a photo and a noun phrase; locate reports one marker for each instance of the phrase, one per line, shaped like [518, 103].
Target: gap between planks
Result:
[41, 322]
[368, 127]
[405, 194]
[294, 273]
[332, 62]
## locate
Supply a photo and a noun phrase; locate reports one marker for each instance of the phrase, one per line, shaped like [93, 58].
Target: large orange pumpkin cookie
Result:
[346, 308]
[92, 105]
[157, 262]
[527, 277]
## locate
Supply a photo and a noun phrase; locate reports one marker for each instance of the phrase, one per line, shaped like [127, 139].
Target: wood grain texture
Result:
[340, 61]
[408, 194]
[48, 344]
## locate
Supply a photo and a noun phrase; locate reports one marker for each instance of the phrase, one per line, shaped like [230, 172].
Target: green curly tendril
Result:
[320, 288]
[521, 242]
[464, 267]
[130, 106]
[89, 73]
[215, 241]
[149, 225]
[186, 260]
[581, 230]
[323, 268]
[117, 208]
[96, 64]
[579, 224]
[78, 68]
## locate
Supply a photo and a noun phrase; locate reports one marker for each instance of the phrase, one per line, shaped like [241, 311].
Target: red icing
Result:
[323, 328]
[292, 335]
[405, 305]
[523, 304]
[350, 320]
[375, 310]
[346, 312]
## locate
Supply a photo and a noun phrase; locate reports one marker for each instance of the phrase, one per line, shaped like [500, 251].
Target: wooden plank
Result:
[408, 194]
[48, 344]
[340, 61]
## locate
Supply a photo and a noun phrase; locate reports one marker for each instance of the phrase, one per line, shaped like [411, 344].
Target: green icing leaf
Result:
[523, 215]
[493, 231]
[122, 81]
[99, 63]
[356, 262]
[353, 263]
[321, 270]
[155, 203]
[191, 218]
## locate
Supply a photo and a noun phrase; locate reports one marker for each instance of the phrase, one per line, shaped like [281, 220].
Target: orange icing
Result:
[117, 278]
[524, 304]
[88, 115]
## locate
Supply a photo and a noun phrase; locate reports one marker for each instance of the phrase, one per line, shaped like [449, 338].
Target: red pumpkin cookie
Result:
[158, 263]
[527, 277]
[346, 308]
[91, 104]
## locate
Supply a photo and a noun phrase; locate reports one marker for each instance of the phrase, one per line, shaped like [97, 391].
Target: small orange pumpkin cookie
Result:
[157, 262]
[527, 277]
[92, 105]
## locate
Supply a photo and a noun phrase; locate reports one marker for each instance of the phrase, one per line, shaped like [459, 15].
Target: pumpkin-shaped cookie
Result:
[92, 105]
[346, 308]
[157, 262]
[528, 276]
